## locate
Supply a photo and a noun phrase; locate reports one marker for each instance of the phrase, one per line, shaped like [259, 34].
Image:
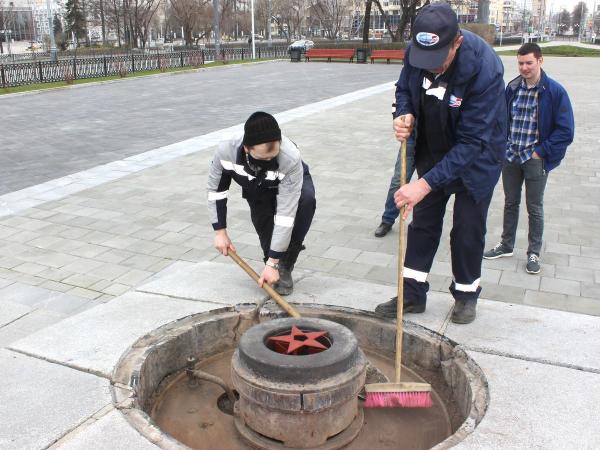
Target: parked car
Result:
[302, 45]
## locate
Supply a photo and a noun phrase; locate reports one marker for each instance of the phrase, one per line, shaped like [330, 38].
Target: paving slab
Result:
[523, 331]
[224, 283]
[520, 331]
[30, 296]
[41, 401]
[536, 406]
[10, 311]
[95, 339]
[332, 291]
[328, 290]
[111, 431]
[544, 335]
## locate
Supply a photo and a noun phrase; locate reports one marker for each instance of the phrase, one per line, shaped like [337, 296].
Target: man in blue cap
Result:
[451, 90]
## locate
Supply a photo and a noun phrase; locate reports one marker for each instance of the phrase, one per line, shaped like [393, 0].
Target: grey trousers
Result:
[513, 175]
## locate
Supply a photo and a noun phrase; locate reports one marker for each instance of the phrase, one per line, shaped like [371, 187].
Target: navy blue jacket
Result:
[556, 125]
[475, 119]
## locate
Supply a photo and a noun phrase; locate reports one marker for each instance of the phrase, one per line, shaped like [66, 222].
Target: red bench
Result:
[387, 54]
[337, 53]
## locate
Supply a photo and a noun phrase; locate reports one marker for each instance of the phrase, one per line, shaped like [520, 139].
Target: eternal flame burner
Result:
[302, 400]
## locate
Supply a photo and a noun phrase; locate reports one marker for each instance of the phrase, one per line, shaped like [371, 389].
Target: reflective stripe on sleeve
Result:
[214, 196]
[284, 221]
[228, 165]
[272, 176]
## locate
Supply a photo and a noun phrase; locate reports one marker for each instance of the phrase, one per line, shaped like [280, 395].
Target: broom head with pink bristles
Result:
[398, 395]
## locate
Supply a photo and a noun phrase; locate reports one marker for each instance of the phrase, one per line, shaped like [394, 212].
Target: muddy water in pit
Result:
[191, 415]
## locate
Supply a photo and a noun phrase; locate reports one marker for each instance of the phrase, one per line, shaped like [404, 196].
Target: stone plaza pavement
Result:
[76, 249]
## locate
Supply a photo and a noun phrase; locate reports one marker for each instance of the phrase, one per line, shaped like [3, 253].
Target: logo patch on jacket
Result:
[427, 39]
[454, 102]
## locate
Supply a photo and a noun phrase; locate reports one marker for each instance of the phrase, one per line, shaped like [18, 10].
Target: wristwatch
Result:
[272, 264]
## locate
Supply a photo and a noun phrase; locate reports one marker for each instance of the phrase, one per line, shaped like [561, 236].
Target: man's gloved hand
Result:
[403, 126]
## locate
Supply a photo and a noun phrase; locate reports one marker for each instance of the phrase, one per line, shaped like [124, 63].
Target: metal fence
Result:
[19, 74]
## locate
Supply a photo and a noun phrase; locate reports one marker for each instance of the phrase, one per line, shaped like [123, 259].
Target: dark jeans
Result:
[263, 209]
[534, 175]
[467, 240]
[391, 212]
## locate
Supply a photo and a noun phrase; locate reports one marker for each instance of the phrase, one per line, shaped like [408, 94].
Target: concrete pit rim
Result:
[133, 382]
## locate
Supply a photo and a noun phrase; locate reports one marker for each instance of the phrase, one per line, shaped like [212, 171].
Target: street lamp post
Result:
[217, 21]
[51, 32]
[581, 21]
[269, 22]
[252, 38]
[523, 24]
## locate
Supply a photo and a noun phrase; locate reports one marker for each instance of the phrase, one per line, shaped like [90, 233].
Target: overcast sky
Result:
[558, 5]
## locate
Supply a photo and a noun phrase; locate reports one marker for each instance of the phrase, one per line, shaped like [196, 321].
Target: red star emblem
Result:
[299, 342]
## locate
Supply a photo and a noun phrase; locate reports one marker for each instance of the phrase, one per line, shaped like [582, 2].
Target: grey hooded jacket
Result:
[285, 183]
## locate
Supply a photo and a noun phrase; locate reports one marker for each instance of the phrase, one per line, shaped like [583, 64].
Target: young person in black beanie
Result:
[278, 187]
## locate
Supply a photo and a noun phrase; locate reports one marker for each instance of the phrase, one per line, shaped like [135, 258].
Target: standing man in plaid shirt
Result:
[541, 128]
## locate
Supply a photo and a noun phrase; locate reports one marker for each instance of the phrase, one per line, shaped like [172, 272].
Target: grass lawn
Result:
[560, 50]
[63, 84]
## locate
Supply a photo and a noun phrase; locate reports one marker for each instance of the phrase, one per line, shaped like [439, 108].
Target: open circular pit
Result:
[304, 400]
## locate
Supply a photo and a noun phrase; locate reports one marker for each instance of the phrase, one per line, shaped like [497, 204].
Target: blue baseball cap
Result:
[434, 30]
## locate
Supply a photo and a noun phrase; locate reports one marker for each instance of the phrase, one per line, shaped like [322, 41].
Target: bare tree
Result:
[261, 13]
[137, 16]
[579, 13]
[3, 22]
[97, 15]
[409, 9]
[564, 21]
[114, 17]
[331, 14]
[189, 13]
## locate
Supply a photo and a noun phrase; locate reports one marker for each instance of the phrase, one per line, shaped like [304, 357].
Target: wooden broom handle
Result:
[401, 249]
[266, 286]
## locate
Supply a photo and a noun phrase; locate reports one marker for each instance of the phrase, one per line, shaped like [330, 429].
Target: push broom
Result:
[399, 394]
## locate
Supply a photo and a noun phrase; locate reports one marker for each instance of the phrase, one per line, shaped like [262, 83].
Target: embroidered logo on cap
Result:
[427, 39]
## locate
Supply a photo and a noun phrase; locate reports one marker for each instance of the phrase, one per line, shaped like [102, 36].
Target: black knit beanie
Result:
[261, 127]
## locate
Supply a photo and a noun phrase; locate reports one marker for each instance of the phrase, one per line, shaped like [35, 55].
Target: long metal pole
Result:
[51, 32]
[217, 21]
[581, 21]
[269, 22]
[253, 46]
[501, 25]
[523, 24]
[594, 22]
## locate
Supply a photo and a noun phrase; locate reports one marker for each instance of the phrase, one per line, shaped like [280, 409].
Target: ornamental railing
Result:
[70, 69]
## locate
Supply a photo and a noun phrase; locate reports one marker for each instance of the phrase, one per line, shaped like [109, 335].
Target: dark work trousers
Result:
[513, 175]
[264, 206]
[467, 240]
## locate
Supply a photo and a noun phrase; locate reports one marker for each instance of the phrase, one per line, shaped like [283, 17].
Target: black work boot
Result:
[383, 229]
[464, 311]
[285, 285]
[389, 310]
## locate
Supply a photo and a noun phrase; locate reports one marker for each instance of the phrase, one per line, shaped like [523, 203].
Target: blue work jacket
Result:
[474, 119]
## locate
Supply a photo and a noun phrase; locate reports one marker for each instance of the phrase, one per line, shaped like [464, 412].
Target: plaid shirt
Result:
[523, 125]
